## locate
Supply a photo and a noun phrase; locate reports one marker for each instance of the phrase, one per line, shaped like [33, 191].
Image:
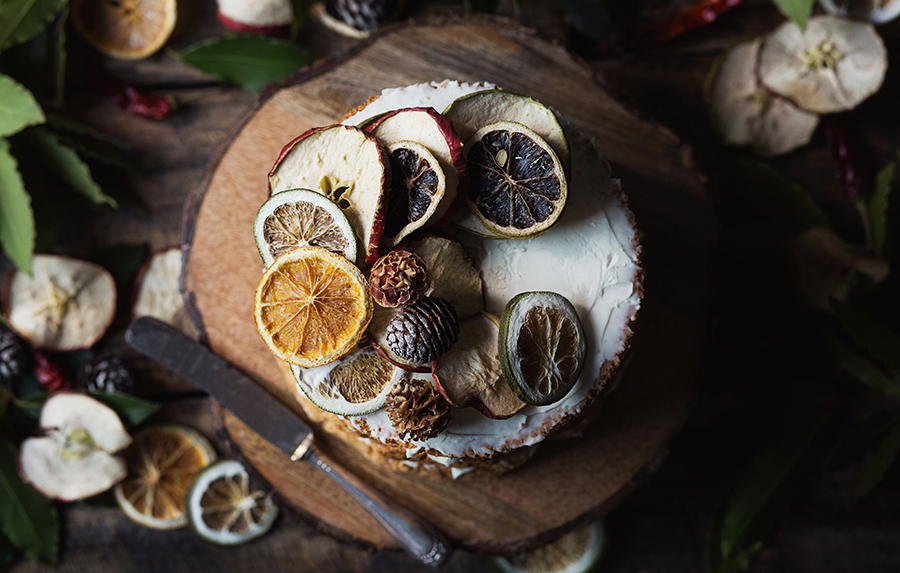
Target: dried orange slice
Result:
[125, 29]
[162, 464]
[312, 306]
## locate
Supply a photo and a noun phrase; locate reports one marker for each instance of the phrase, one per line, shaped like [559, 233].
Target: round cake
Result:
[448, 403]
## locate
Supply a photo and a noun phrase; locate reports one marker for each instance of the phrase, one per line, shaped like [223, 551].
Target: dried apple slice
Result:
[66, 304]
[265, 17]
[451, 272]
[426, 126]
[158, 291]
[418, 186]
[346, 165]
[469, 374]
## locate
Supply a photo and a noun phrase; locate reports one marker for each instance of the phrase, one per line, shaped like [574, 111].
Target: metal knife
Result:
[279, 425]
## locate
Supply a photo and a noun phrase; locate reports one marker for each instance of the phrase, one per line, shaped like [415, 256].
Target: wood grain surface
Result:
[574, 480]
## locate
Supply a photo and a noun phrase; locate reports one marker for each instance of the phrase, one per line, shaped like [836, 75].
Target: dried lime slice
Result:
[223, 507]
[417, 187]
[576, 552]
[302, 218]
[517, 187]
[541, 346]
[353, 385]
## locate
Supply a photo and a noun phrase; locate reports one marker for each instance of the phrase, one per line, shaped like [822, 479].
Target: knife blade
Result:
[279, 425]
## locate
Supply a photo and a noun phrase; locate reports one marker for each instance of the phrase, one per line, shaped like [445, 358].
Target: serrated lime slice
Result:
[541, 346]
[224, 508]
[353, 385]
[576, 552]
[302, 218]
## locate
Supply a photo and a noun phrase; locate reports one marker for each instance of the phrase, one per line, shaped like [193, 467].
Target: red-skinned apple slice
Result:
[452, 275]
[264, 17]
[157, 291]
[469, 374]
[426, 126]
[349, 167]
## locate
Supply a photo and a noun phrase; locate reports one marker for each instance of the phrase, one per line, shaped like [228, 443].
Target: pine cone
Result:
[364, 15]
[398, 279]
[416, 409]
[423, 331]
[105, 373]
[16, 356]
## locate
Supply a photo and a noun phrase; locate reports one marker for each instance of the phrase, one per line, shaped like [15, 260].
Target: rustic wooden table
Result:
[660, 527]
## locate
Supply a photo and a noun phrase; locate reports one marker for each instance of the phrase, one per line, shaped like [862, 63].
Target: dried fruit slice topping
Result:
[158, 291]
[541, 346]
[417, 187]
[302, 218]
[312, 306]
[224, 508]
[353, 385]
[518, 187]
[126, 29]
[162, 463]
[576, 552]
[346, 165]
[451, 272]
[66, 304]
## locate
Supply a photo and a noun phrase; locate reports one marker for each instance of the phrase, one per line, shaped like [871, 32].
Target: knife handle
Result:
[414, 536]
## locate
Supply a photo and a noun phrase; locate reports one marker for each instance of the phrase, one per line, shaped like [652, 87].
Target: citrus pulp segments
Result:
[128, 29]
[307, 218]
[226, 485]
[311, 306]
[471, 112]
[518, 187]
[319, 386]
[412, 165]
[150, 459]
[346, 165]
[554, 317]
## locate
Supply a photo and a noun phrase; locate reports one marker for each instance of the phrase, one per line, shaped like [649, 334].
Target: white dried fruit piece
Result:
[451, 272]
[267, 17]
[831, 66]
[158, 292]
[75, 459]
[66, 304]
[746, 113]
[875, 11]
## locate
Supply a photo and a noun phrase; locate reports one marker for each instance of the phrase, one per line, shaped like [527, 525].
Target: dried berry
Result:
[398, 279]
[49, 374]
[16, 356]
[105, 373]
[423, 331]
[416, 409]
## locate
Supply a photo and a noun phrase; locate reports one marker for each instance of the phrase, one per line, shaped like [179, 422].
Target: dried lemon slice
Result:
[417, 187]
[302, 218]
[541, 346]
[517, 187]
[353, 385]
[223, 507]
[162, 463]
[576, 552]
[125, 29]
[311, 306]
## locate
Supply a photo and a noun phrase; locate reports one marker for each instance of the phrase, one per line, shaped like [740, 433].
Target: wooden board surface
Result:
[568, 483]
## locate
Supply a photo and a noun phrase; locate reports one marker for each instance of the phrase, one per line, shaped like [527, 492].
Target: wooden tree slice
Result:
[575, 479]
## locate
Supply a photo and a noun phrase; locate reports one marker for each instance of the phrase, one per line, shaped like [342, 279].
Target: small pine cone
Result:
[399, 278]
[105, 373]
[423, 331]
[16, 356]
[364, 15]
[416, 409]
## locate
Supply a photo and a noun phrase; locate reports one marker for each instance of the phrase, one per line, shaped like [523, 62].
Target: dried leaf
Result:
[252, 62]
[27, 518]
[796, 10]
[860, 368]
[66, 162]
[791, 209]
[22, 20]
[131, 409]
[17, 231]
[882, 344]
[859, 438]
[878, 205]
[878, 462]
[18, 108]
[61, 56]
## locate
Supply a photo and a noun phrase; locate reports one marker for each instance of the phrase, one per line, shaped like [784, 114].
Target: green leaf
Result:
[878, 462]
[91, 143]
[300, 9]
[882, 344]
[122, 261]
[252, 62]
[796, 10]
[131, 409]
[878, 205]
[860, 368]
[61, 123]
[859, 438]
[17, 231]
[31, 404]
[69, 166]
[22, 20]
[18, 108]
[766, 488]
[8, 553]
[61, 56]
[790, 208]
[27, 518]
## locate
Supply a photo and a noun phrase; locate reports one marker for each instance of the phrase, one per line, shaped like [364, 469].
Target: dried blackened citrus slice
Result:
[302, 218]
[355, 384]
[517, 187]
[417, 187]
